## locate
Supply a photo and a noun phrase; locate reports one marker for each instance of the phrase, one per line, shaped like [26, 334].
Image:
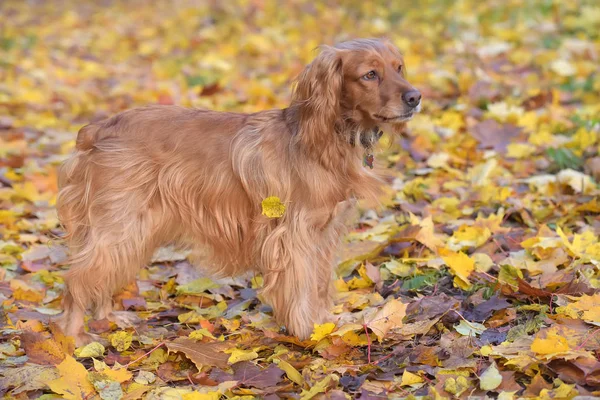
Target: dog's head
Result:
[360, 81]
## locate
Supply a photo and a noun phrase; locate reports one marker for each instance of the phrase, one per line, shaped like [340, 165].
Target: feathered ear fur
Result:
[317, 99]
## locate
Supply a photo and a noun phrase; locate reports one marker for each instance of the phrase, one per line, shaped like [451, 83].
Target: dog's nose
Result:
[412, 98]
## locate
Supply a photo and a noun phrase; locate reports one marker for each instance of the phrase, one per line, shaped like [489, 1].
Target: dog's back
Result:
[138, 180]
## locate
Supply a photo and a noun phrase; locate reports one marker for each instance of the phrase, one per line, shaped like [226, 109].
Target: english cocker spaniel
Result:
[164, 174]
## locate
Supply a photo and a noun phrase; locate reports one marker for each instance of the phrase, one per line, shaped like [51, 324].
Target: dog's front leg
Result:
[296, 271]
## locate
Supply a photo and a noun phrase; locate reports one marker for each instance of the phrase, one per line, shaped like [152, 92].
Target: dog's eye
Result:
[369, 76]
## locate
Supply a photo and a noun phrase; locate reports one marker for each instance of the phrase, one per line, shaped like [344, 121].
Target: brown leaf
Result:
[430, 307]
[460, 350]
[502, 317]
[425, 355]
[172, 372]
[537, 101]
[509, 384]
[418, 327]
[249, 375]
[538, 383]
[582, 371]
[484, 310]
[374, 274]
[592, 168]
[41, 350]
[67, 343]
[201, 353]
[492, 135]
[483, 91]
[528, 290]
[28, 377]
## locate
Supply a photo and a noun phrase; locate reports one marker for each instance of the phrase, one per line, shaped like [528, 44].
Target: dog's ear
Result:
[317, 96]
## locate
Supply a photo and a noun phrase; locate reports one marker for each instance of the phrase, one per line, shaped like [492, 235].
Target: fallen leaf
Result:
[201, 353]
[73, 382]
[388, 317]
[490, 379]
[321, 331]
[291, 372]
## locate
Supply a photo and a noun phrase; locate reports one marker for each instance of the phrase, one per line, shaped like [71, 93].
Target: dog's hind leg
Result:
[94, 277]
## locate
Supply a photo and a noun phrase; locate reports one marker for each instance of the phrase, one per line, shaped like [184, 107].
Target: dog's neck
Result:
[350, 131]
[367, 138]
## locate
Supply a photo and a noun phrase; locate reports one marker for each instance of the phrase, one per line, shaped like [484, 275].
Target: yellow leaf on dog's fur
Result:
[272, 207]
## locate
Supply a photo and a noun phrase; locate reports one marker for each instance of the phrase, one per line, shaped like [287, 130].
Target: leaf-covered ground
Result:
[478, 275]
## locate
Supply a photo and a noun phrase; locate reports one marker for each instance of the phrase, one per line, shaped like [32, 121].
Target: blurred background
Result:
[64, 63]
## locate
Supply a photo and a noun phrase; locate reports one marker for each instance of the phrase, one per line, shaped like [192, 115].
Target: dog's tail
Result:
[74, 183]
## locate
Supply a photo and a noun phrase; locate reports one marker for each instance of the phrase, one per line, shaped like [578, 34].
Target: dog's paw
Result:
[124, 319]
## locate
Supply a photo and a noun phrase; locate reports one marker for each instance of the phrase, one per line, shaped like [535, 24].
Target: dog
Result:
[166, 174]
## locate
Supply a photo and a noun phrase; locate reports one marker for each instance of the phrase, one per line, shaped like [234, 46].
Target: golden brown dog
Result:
[161, 174]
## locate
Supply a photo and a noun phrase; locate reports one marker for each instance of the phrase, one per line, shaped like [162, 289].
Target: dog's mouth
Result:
[395, 118]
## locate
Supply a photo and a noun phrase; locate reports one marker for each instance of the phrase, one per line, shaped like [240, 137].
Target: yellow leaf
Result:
[388, 317]
[519, 150]
[238, 355]
[587, 306]
[99, 365]
[483, 262]
[190, 317]
[198, 334]
[120, 375]
[578, 181]
[505, 112]
[321, 331]
[456, 385]
[93, 349]
[552, 344]
[427, 235]
[354, 339]
[291, 372]
[27, 295]
[506, 395]
[73, 382]
[202, 396]
[272, 207]
[408, 378]
[583, 139]
[469, 236]
[360, 282]
[319, 387]
[491, 378]
[461, 265]
[121, 340]
[26, 191]
[486, 350]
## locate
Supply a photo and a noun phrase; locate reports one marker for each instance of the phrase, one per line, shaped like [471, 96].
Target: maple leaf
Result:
[201, 353]
[73, 382]
[389, 317]
[41, 350]
[461, 265]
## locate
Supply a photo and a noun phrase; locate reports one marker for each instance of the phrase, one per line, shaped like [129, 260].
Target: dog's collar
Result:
[368, 140]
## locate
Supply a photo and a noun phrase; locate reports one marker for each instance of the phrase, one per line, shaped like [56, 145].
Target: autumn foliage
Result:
[478, 275]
